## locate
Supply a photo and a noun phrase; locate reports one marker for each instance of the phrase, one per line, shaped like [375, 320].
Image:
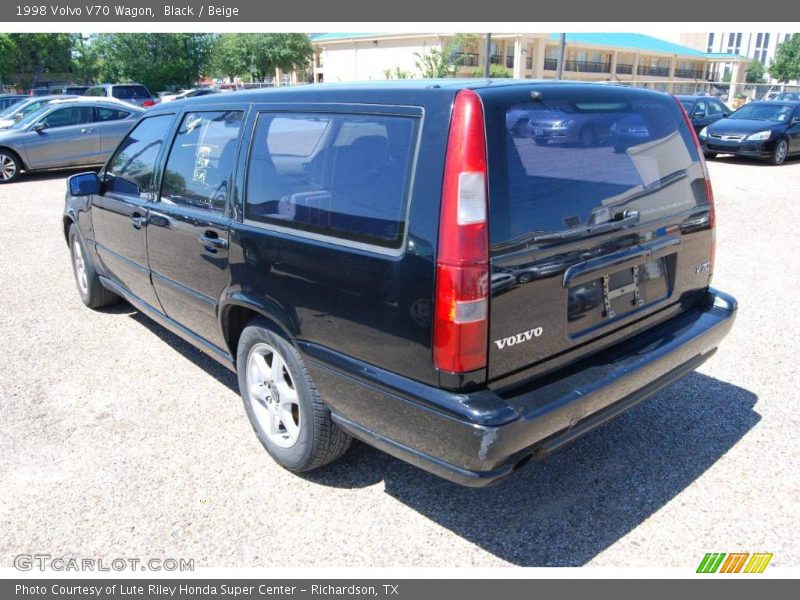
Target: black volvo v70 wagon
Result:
[407, 263]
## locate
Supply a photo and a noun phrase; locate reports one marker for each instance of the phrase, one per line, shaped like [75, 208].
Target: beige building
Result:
[589, 56]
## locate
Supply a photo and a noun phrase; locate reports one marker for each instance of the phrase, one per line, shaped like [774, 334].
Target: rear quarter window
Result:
[579, 157]
[339, 175]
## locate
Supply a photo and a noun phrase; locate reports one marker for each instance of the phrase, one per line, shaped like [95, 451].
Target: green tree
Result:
[786, 65]
[158, 60]
[36, 55]
[435, 63]
[7, 51]
[495, 72]
[755, 72]
[228, 59]
[257, 55]
[398, 73]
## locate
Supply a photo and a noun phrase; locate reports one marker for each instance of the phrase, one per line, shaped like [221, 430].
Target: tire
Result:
[10, 166]
[710, 155]
[540, 141]
[287, 414]
[779, 152]
[91, 291]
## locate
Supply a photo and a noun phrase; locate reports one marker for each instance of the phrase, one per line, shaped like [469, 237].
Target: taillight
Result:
[709, 190]
[148, 103]
[460, 327]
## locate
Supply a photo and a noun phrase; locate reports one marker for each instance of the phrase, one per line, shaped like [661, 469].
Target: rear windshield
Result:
[579, 157]
[130, 92]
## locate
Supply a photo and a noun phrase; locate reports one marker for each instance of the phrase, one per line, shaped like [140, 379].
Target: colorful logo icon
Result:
[734, 562]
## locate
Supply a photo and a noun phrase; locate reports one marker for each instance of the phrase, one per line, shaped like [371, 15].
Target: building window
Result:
[710, 42]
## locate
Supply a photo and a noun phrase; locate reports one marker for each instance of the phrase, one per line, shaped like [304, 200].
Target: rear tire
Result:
[587, 137]
[282, 403]
[779, 152]
[710, 155]
[91, 291]
[10, 166]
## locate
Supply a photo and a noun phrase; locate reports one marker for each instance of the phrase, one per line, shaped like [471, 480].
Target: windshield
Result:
[778, 113]
[687, 104]
[130, 92]
[29, 118]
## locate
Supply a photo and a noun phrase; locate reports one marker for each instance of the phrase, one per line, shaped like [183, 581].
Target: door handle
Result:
[212, 239]
[138, 221]
[87, 130]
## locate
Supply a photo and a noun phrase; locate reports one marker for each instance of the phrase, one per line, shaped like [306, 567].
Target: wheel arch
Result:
[240, 308]
[15, 153]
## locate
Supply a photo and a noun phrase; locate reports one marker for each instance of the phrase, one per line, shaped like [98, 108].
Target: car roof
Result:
[775, 103]
[333, 92]
[110, 102]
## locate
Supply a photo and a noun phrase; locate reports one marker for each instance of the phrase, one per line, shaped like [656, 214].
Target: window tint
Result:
[130, 92]
[296, 136]
[130, 171]
[347, 178]
[584, 158]
[64, 117]
[109, 114]
[714, 108]
[201, 161]
[700, 108]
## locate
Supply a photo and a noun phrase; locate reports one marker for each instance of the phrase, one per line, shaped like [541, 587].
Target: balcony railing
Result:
[468, 59]
[624, 69]
[653, 71]
[550, 64]
[689, 73]
[585, 66]
[509, 62]
[496, 59]
[529, 62]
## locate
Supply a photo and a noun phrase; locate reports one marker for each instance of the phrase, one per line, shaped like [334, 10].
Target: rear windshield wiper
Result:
[628, 218]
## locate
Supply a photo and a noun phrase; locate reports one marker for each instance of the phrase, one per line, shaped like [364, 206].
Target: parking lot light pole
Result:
[487, 48]
[562, 43]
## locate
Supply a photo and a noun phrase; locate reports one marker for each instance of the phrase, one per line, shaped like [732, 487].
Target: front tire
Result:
[10, 166]
[91, 291]
[779, 152]
[282, 403]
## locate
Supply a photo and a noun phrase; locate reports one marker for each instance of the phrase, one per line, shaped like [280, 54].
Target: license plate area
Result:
[613, 295]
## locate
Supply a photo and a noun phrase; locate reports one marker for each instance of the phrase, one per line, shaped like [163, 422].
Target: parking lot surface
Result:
[117, 439]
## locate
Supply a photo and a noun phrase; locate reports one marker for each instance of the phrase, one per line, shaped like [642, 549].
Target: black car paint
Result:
[361, 319]
[701, 119]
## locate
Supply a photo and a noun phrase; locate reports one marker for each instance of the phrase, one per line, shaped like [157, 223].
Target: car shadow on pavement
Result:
[571, 506]
[732, 159]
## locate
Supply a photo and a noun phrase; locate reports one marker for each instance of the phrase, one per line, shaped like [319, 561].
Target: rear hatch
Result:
[600, 220]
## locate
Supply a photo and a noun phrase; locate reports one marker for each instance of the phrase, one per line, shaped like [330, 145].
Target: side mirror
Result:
[84, 184]
[18, 116]
[699, 115]
[795, 120]
[39, 127]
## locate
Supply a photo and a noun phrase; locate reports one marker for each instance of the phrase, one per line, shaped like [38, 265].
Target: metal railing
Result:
[690, 73]
[467, 59]
[586, 66]
[624, 69]
[550, 64]
[653, 71]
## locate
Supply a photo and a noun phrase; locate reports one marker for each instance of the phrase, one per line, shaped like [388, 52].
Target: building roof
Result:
[321, 37]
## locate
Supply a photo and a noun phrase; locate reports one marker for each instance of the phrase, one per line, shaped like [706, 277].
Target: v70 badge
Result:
[703, 268]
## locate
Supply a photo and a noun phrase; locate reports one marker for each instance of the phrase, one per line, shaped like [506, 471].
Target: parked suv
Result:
[400, 264]
[135, 93]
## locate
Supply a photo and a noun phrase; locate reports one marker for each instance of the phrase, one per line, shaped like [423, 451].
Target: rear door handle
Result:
[212, 239]
[138, 221]
[87, 130]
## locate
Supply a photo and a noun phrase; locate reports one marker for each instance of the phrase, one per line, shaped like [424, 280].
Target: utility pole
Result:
[487, 48]
[562, 42]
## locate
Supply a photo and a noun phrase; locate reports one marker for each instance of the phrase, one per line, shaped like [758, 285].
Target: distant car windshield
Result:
[688, 103]
[130, 92]
[29, 118]
[779, 113]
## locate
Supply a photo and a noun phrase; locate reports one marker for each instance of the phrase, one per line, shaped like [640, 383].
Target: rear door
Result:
[590, 243]
[187, 233]
[112, 124]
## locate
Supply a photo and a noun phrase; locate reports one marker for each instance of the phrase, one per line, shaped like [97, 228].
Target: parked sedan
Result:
[767, 130]
[703, 110]
[7, 100]
[17, 111]
[571, 123]
[790, 96]
[64, 134]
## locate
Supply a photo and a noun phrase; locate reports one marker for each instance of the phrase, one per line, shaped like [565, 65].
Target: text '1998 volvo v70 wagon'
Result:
[403, 263]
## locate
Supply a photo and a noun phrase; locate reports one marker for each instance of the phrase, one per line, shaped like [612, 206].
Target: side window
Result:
[700, 108]
[130, 171]
[96, 91]
[102, 114]
[714, 109]
[200, 163]
[64, 117]
[342, 175]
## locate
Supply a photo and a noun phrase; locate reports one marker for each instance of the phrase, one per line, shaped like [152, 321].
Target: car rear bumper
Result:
[478, 438]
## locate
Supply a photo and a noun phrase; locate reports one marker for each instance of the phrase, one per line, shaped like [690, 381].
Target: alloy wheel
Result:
[8, 168]
[273, 395]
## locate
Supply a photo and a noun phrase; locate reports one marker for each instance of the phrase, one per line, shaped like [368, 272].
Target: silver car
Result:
[17, 111]
[66, 133]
